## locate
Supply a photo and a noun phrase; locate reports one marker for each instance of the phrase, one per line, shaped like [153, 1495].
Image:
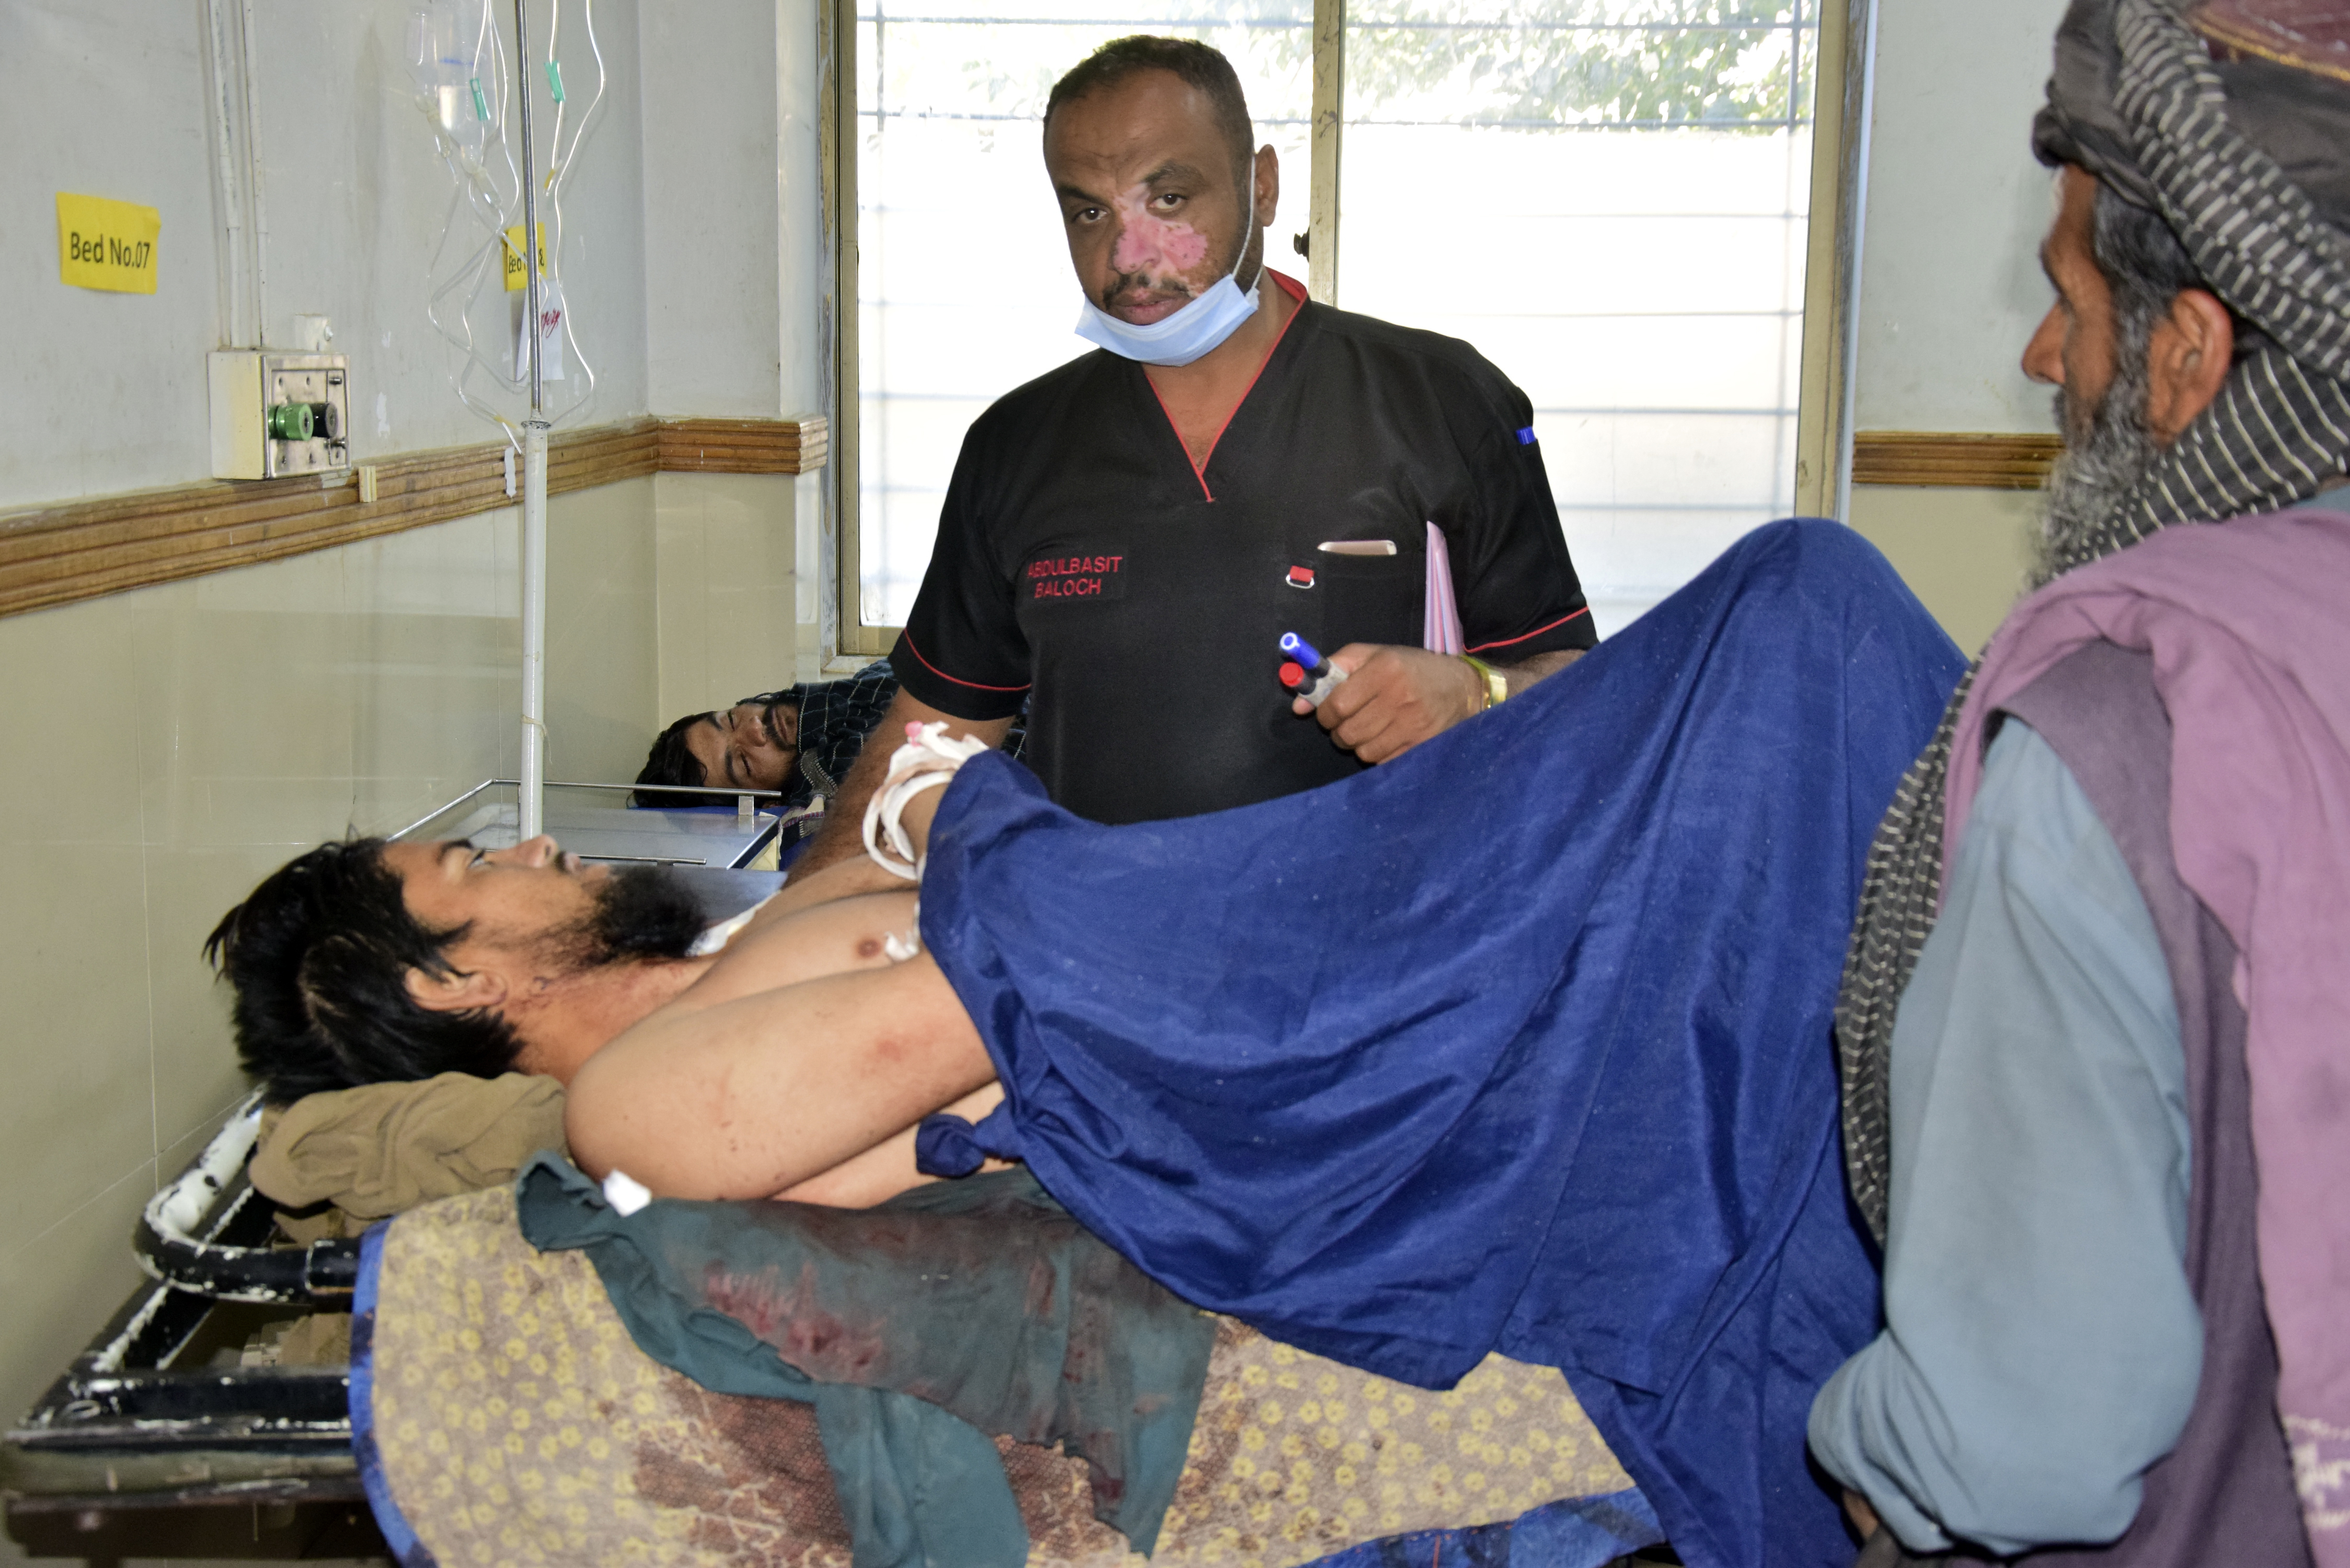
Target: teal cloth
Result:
[916, 1329]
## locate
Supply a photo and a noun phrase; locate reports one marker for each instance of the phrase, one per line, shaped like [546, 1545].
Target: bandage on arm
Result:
[926, 762]
[841, 838]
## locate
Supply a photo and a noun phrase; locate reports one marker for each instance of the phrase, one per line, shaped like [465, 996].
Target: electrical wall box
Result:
[277, 414]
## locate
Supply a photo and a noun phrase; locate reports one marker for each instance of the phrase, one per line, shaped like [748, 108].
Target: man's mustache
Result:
[1131, 284]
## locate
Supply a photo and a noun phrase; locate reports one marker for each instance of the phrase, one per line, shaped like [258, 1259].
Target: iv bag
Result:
[452, 64]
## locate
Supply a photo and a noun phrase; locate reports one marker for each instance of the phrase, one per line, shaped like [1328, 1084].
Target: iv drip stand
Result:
[534, 478]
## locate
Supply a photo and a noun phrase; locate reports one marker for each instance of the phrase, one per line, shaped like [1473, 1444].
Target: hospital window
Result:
[1608, 198]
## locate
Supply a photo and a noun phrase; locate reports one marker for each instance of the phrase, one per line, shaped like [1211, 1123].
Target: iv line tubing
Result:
[452, 291]
[534, 475]
[529, 206]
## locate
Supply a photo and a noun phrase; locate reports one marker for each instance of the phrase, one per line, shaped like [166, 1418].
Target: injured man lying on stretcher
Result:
[1402, 1072]
[367, 961]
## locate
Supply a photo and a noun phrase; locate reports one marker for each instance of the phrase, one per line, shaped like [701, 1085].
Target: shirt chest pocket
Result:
[1365, 596]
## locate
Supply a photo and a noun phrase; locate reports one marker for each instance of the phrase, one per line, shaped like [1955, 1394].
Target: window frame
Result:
[1832, 236]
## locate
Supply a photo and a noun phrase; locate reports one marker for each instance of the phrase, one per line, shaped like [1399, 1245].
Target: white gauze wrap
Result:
[928, 759]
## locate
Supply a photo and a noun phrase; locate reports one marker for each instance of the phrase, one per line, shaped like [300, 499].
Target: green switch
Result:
[290, 421]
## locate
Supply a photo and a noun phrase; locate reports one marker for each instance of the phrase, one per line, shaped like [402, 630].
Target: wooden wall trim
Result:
[744, 446]
[1953, 458]
[57, 554]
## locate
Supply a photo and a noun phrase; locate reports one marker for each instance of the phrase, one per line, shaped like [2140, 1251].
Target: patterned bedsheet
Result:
[504, 1410]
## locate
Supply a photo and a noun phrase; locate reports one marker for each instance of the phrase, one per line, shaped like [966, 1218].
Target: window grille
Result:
[1608, 198]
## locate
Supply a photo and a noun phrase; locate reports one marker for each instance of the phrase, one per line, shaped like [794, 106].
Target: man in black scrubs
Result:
[1128, 535]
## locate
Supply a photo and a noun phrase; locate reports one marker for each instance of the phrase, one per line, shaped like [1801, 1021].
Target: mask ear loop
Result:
[1248, 197]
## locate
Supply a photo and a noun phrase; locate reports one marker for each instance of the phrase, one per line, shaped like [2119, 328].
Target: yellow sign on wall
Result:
[106, 245]
[513, 252]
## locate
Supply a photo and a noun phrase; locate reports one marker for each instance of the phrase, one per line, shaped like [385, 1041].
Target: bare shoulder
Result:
[847, 933]
[808, 886]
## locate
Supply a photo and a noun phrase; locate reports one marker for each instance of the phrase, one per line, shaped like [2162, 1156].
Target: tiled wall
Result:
[726, 546]
[162, 750]
[1962, 552]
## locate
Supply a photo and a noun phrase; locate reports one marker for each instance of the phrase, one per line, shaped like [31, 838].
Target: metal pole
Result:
[534, 627]
[534, 474]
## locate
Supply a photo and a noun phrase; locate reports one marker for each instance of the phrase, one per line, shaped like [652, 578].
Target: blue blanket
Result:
[1518, 1042]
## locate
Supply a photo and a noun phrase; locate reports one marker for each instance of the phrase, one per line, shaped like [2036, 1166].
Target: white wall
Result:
[1950, 286]
[734, 308]
[712, 299]
[806, 284]
[800, 178]
[719, 315]
[105, 391]
[108, 98]
[733, 277]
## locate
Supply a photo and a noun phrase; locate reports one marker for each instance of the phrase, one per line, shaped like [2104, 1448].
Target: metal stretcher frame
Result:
[127, 1444]
[745, 801]
[131, 1453]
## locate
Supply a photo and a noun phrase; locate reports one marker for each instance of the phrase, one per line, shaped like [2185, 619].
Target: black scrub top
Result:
[1079, 551]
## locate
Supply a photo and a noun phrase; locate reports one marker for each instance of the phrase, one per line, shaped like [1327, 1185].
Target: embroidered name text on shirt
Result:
[1052, 578]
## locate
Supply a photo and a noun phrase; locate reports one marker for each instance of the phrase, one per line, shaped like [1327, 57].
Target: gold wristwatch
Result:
[1497, 685]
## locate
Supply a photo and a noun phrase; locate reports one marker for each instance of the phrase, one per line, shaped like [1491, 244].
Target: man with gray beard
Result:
[2108, 446]
[2095, 1028]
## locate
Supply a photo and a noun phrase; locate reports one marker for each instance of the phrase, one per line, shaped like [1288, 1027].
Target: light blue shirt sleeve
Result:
[2043, 1344]
[2336, 499]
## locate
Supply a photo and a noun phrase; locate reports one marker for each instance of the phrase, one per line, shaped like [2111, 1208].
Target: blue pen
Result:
[1307, 673]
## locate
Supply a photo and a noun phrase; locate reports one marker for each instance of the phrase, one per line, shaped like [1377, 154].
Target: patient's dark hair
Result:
[319, 956]
[1200, 66]
[670, 763]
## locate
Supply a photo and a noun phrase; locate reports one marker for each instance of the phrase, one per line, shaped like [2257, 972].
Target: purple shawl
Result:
[2248, 625]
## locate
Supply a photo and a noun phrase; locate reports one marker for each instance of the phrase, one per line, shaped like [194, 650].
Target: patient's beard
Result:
[2099, 467]
[643, 913]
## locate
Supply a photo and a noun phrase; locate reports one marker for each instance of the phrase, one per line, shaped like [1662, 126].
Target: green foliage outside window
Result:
[1530, 64]
[1542, 63]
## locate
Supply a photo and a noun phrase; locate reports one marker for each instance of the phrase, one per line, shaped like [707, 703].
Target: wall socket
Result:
[277, 414]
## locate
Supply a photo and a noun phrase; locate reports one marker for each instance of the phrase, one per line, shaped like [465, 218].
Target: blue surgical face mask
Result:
[1196, 328]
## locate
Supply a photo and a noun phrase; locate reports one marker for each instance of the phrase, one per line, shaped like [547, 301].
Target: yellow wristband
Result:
[1497, 685]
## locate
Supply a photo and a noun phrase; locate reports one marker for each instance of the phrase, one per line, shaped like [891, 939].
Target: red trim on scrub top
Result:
[1296, 291]
[958, 680]
[1507, 641]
